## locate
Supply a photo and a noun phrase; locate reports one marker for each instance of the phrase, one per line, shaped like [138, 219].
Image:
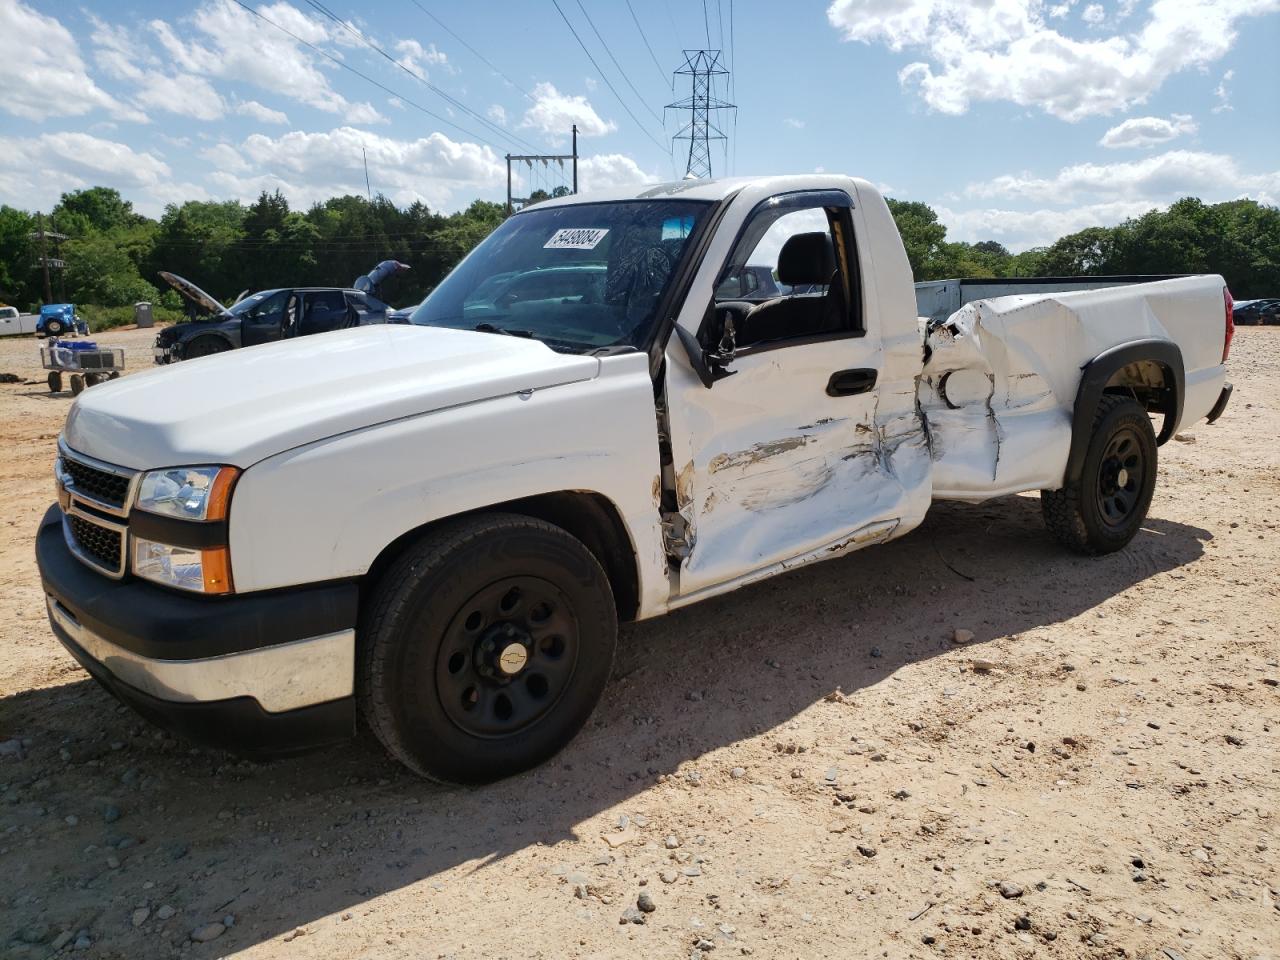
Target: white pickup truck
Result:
[438, 526]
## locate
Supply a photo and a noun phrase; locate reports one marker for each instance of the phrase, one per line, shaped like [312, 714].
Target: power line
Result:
[454, 101]
[720, 20]
[706, 22]
[639, 95]
[481, 57]
[640, 30]
[733, 91]
[612, 89]
[381, 86]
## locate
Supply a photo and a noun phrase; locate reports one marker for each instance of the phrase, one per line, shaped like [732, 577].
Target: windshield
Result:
[577, 277]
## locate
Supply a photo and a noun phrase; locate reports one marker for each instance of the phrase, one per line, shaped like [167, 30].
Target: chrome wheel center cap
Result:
[513, 659]
[1122, 478]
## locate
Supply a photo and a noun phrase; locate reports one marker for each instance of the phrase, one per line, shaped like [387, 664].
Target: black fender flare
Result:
[1093, 382]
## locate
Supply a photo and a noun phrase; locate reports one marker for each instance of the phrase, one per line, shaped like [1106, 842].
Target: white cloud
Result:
[497, 113]
[1160, 179]
[310, 167]
[1093, 14]
[415, 56]
[1148, 131]
[261, 113]
[225, 157]
[608, 171]
[1022, 229]
[1005, 50]
[793, 122]
[41, 72]
[183, 94]
[1223, 93]
[34, 171]
[236, 45]
[553, 113]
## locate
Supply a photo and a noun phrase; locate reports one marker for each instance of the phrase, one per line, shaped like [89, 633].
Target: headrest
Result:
[807, 258]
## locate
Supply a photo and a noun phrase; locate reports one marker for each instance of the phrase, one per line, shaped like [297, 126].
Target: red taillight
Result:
[1231, 322]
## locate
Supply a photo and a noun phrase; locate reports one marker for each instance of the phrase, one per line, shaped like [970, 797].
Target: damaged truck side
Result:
[437, 527]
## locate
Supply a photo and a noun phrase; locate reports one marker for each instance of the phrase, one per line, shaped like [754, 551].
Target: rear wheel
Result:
[53, 327]
[485, 647]
[1103, 510]
[204, 347]
[77, 384]
[55, 381]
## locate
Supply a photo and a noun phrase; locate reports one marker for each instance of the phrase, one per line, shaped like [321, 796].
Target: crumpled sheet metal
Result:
[999, 388]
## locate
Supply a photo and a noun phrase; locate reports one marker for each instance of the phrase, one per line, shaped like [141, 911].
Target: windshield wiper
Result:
[491, 328]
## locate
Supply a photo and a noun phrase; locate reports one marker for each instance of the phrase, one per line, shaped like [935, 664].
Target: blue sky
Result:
[1019, 120]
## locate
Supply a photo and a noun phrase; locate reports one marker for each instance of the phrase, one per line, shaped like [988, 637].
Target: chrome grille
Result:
[99, 485]
[101, 546]
[96, 497]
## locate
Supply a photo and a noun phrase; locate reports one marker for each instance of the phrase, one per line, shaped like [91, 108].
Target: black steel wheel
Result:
[484, 647]
[508, 656]
[55, 381]
[1120, 478]
[1102, 510]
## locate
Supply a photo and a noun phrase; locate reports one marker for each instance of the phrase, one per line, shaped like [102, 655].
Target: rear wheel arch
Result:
[590, 517]
[1129, 369]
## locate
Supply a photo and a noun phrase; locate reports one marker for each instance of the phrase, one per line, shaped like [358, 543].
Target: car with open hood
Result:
[271, 315]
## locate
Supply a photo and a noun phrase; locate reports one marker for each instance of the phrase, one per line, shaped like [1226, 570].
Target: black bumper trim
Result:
[239, 725]
[1220, 407]
[164, 625]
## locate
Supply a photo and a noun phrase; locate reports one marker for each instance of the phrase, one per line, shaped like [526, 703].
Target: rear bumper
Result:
[1221, 405]
[262, 675]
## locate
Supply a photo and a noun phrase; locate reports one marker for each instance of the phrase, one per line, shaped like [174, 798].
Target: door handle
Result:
[847, 383]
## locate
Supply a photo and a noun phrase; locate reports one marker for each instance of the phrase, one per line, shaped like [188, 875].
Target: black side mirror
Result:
[712, 364]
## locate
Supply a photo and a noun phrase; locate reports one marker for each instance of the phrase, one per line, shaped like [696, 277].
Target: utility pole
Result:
[702, 67]
[46, 262]
[531, 158]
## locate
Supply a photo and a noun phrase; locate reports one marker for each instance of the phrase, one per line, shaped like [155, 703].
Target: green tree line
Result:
[114, 254]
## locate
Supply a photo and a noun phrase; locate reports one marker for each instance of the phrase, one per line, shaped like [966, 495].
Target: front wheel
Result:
[1104, 509]
[77, 384]
[55, 381]
[205, 347]
[485, 647]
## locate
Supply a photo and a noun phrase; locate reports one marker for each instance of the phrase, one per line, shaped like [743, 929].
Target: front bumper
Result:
[261, 674]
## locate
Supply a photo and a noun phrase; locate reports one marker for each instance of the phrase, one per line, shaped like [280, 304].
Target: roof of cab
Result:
[701, 189]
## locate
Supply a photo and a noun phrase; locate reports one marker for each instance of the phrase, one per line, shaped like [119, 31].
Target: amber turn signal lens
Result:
[216, 566]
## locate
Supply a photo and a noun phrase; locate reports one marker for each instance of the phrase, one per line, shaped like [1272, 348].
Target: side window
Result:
[806, 242]
[324, 310]
[267, 310]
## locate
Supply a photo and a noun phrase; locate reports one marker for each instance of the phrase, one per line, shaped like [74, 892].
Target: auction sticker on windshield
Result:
[576, 238]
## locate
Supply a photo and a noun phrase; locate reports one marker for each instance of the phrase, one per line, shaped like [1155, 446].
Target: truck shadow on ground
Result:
[280, 845]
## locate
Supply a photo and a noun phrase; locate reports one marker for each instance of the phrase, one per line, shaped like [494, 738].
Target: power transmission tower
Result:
[702, 67]
[543, 158]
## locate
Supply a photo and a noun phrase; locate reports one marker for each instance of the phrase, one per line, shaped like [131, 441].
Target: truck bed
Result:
[999, 387]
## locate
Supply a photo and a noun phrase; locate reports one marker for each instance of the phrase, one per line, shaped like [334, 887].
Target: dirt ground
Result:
[811, 767]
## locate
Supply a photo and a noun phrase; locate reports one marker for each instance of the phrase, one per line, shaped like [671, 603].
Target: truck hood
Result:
[245, 405]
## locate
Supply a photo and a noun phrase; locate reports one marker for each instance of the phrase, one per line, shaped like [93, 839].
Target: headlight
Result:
[188, 493]
[187, 568]
[193, 496]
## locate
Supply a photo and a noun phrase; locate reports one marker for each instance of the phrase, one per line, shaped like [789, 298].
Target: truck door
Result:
[808, 447]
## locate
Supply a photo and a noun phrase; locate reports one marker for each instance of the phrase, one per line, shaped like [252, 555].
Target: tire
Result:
[92, 379]
[113, 375]
[1102, 511]
[484, 648]
[53, 328]
[77, 384]
[55, 381]
[205, 347]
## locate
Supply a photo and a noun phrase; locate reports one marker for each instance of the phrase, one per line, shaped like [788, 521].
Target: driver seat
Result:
[806, 258]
